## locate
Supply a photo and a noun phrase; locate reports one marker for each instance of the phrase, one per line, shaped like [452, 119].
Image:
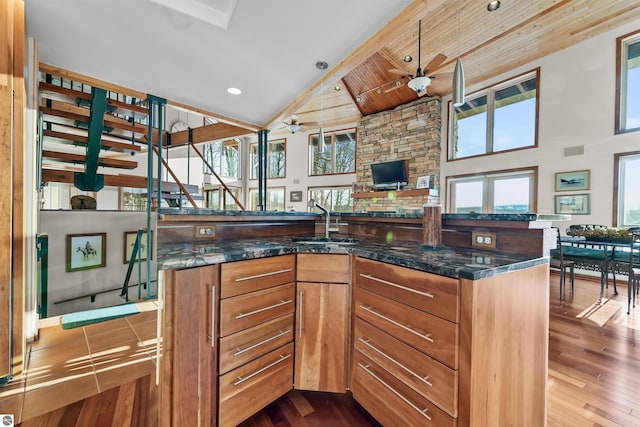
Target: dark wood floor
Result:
[594, 377]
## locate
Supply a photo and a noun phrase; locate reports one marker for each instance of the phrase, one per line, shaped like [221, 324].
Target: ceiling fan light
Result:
[458, 84]
[419, 84]
[293, 127]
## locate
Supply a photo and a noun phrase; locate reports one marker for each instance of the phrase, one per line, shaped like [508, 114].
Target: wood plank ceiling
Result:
[489, 43]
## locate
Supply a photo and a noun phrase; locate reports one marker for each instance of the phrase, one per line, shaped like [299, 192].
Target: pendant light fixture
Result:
[321, 65]
[458, 73]
[420, 82]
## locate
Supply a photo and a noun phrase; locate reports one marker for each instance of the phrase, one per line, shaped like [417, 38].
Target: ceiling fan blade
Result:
[312, 124]
[435, 62]
[398, 72]
[441, 76]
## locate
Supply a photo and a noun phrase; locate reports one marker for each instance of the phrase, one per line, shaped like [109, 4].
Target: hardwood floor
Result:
[594, 376]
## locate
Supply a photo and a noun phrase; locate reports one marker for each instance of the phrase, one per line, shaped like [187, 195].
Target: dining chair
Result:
[558, 262]
[633, 283]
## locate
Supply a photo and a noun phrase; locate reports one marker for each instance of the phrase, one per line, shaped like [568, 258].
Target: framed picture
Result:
[574, 204]
[423, 181]
[575, 180]
[295, 196]
[86, 251]
[129, 241]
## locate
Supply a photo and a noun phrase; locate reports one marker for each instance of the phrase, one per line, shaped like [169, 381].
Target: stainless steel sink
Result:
[325, 241]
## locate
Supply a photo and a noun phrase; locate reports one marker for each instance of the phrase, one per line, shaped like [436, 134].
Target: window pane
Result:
[212, 199]
[631, 114]
[470, 135]
[229, 203]
[212, 154]
[467, 196]
[511, 195]
[629, 198]
[276, 199]
[320, 156]
[342, 201]
[253, 161]
[277, 159]
[514, 123]
[230, 159]
[345, 152]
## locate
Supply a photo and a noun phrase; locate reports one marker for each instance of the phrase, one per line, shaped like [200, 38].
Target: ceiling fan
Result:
[294, 125]
[422, 79]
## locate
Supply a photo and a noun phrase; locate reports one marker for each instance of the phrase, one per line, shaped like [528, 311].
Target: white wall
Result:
[577, 103]
[63, 285]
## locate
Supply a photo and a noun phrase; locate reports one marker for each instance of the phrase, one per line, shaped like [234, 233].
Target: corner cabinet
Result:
[189, 355]
[432, 350]
[322, 322]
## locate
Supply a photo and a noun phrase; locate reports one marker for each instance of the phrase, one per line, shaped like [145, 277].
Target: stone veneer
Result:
[409, 132]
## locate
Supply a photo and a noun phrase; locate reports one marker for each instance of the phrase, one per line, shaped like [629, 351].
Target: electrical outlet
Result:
[205, 232]
[483, 239]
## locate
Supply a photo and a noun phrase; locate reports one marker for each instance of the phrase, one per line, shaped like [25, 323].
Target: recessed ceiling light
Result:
[234, 91]
[337, 88]
[493, 6]
[407, 58]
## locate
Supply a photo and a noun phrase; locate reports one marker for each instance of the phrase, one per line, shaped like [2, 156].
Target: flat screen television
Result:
[389, 174]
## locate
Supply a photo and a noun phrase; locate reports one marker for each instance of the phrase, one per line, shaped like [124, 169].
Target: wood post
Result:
[432, 226]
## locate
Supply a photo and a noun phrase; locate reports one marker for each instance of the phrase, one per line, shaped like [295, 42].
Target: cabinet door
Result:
[190, 299]
[321, 337]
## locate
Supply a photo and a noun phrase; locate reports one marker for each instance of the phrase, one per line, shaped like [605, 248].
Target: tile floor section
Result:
[65, 366]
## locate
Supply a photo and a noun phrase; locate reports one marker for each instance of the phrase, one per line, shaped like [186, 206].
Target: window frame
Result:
[251, 156]
[489, 92]
[616, 221]
[622, 43]
[222, 142]
[332, 134]
[254, 190]
[491, 176]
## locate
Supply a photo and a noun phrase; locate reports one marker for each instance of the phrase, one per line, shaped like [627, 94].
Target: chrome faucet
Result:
[314, 204]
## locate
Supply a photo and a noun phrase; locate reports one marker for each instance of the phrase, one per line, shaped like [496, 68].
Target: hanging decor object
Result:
[458, 74]
[321, 65]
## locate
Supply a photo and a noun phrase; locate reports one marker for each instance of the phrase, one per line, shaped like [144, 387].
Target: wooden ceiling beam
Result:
[80, 159]
[207, 133]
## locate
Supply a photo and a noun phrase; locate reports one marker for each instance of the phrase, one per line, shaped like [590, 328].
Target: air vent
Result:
[578, 150]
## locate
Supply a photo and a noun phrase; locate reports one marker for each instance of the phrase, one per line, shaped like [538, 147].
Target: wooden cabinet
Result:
[256, 335]
[322, 322]
[189, 358]
[430, 350]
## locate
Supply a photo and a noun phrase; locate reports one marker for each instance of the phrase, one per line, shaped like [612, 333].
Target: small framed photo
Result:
[574, 204]
[295, 196]
[86, 251]
[129, 242]
[575, 180]
[423, 181]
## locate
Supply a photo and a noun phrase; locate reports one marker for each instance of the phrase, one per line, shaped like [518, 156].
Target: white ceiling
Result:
[268, 49]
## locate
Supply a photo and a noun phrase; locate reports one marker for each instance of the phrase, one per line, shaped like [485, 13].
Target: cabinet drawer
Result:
[389, 400]
[430, 334]
[430, 378]
[331, 268]
[241, 347]
[434, 294]
[249, 388]
[241, 277]
[245, 311]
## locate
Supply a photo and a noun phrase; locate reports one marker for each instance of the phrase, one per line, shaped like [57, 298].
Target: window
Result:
[494, 192]
[627, 193]
[276, 159]
[134, 199]
[212, 198]
[337, 153]
[336, 199]
[224, 158]
[628, 82]
[500, 118]
[274, 197]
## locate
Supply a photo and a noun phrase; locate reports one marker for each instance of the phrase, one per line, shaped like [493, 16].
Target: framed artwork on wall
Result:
[86, 251]
[575, 180]
[295, 196]
[573, 204]
[129, 241]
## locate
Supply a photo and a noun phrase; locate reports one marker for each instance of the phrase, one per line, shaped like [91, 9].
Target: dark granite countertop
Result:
[446, 261]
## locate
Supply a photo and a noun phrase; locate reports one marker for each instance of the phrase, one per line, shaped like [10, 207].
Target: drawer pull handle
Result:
[381, 381]
[367, 342]
[395, 285]
[264, 341]
[300, 326]
[213, 316]
[261, 370]
[400, 325]
[260, 310]
[257, 276]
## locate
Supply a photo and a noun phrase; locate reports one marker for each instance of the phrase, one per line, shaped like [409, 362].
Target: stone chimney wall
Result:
[409, 132]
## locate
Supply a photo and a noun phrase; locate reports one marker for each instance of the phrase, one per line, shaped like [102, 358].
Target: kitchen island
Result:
[471, 325]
